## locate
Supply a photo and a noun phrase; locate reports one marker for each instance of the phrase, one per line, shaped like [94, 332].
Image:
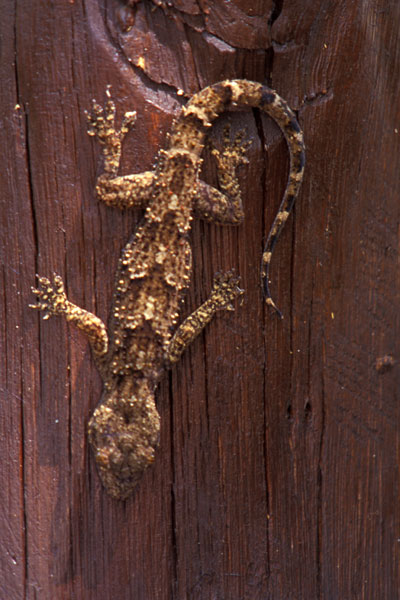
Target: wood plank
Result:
[277, 474]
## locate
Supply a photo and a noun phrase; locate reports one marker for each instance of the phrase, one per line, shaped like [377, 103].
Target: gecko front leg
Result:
[52, 300]
[225, 289]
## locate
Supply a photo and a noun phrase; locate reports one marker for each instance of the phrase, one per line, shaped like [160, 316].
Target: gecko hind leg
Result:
[232, 155]
[225, 206]
[225, 289]
[101, 123]
[128, 191]
[52, 300]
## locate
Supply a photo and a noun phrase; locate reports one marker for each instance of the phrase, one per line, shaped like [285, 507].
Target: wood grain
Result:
[277, 475]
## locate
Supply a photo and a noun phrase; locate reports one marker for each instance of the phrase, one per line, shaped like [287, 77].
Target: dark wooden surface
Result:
[278, 470]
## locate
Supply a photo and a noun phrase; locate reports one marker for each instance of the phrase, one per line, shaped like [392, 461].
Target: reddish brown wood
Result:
[277, 475]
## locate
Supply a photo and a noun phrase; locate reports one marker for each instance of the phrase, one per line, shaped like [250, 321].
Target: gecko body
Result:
[155, 266]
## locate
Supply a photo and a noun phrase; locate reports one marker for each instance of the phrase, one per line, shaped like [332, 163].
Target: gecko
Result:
[143, 338]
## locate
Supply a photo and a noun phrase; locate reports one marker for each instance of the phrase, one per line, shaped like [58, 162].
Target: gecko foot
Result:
[225, 289]
[101, 122]
[233, 152]
[51, 298]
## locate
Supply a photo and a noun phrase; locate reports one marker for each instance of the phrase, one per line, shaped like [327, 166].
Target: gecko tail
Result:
[268, 299]
[281, 217]
[281, 113]
[201, 111]
[265, 263]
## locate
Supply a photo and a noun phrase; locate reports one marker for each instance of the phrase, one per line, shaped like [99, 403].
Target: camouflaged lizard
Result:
[156, 264]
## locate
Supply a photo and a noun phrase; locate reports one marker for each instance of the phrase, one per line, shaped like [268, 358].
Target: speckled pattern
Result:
[155, 266]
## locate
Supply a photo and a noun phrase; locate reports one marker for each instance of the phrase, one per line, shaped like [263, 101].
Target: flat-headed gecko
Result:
[155, 266]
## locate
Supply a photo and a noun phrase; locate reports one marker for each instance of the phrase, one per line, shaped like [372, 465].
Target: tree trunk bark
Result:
[277, 474]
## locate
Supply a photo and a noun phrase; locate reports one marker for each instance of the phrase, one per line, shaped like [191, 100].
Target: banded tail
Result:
[203, 108]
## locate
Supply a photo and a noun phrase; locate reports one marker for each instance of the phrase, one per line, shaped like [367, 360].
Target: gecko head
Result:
[124, 434]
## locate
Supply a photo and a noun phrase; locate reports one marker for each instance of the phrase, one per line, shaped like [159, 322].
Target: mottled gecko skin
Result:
[156, 264]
